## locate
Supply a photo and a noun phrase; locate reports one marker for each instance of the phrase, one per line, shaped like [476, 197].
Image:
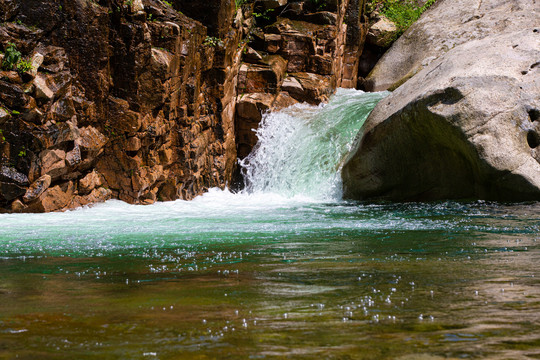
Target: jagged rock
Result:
[262, 78]
[4, 115]
[441, 28]
[321, 18]
[313, 88]
[161, 61]
[35, 62]
[97, 195]
[53, 199]
[252, 106]
[42, 90]
[272, 43]
[252, 56]
[18, 206]
[91, 140]
[9, 174]
[122, 119]
[73, 157]
[283, 100]
[62, 110]
[249, 111]
[91, 181]
[382, 32]
[466, 126]
[137, 6]
[292, 85]
[12, 77]
[12, 183]
[55, 59]
[12, 95]
[133, 144]
[53, 163]
[37, 188]
[321, 65]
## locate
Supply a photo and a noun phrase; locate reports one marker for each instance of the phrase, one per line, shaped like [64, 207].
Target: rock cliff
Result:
[464, 121]
[149, 100]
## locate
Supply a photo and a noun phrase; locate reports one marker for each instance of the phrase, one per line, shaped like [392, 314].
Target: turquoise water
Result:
[274, 272]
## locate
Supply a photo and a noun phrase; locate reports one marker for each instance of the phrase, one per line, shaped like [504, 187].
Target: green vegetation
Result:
[167, 3]
[14, 61]
[12, 57]
[212, 41]
[22, 153]
[239, 3]
[402, 12]
[24, 66]
[264, 15]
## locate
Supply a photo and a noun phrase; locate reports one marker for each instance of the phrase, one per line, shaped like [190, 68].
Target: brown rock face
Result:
[132, 92]
[137, 100]
[302, 55]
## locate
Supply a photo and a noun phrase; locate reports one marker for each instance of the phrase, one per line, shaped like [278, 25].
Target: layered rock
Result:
[466, 122]
[129, 93]
[302, 55]
[137, 100]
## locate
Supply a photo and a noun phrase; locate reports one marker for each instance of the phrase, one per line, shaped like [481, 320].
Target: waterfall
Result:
[301, 149]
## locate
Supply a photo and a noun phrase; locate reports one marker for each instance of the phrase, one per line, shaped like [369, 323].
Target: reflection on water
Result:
[238, 276]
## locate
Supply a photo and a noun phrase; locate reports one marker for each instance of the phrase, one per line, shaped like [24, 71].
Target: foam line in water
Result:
[301, 149]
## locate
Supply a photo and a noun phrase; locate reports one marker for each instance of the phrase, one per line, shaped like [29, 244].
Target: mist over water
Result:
[283, 269]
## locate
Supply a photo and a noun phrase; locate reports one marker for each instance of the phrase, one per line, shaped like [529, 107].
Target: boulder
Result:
[91, 181]
[466, 126]
[12, 183]
[382, 32]
[37, 188]
[12, 95]
[4, 115]
[53, 199]
[53, 163]
[35, 63]
[42, 90]
[252, 56]
[96, 196]
[445, 25]
[308, 87]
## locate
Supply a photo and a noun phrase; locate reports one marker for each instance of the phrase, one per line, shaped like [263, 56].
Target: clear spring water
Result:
[284, 270]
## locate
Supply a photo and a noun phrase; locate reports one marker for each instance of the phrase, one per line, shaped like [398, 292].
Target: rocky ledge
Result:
[150, 100]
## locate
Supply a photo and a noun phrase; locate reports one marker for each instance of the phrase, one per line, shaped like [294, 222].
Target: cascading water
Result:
[301, 148]
[283, 269]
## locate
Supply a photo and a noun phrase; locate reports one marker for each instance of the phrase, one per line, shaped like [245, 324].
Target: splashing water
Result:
[301, 149]
[285, 269]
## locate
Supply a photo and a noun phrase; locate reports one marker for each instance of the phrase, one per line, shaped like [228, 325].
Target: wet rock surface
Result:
[138, 100]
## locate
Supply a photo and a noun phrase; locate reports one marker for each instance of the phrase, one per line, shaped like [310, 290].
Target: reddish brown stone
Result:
[37, 188]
